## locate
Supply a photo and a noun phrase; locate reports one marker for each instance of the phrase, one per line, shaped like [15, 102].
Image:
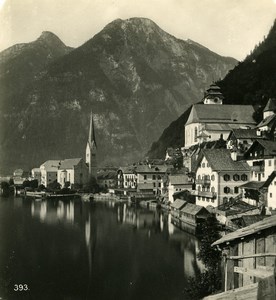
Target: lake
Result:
[75, 250]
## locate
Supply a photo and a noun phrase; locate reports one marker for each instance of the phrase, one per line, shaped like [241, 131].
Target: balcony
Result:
[203, 181]
[205, 194]
[258, 168]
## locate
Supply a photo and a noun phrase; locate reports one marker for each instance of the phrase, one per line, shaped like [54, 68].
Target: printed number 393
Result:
[20, 287]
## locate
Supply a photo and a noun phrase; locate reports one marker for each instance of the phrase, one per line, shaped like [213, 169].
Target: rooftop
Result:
[245, 134]
[220, 160]
[152, 168]
[178, 203]
[271, 105]
[51, 165]
[249, 230]
[217, 113]
[267, 121]
[192, 209]
[70, 163]
[179, 179]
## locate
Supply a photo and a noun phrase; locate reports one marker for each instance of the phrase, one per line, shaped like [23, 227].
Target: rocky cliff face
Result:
[136, 78]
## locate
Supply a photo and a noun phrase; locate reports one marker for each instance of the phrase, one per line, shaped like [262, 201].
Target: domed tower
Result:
[91, 150]
[213, 95]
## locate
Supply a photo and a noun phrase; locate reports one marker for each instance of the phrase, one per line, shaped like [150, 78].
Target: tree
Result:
[54, 185]
[5, 189]
[208, 281]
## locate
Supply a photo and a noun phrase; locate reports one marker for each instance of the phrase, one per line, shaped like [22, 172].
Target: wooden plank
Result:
[249, 292]
[260, 248]
[270, 246]
[260, 273]
[253, 255]
[249, 263]
[240, 264]
[267, 288]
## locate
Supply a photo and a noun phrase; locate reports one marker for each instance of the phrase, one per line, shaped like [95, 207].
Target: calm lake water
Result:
[69, 250]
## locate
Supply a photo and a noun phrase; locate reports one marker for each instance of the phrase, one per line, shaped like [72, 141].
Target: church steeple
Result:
[91, 149]
[91, 137]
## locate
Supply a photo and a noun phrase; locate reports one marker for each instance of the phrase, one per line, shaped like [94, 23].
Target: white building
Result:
[49, 171]
[73, 171]
[218, 177]
[127, 178]
[178, 183]
[212, 120]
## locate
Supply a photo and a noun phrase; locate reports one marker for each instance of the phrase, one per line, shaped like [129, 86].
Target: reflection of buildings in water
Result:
[171, 227]
[190, 248]
[53, 212]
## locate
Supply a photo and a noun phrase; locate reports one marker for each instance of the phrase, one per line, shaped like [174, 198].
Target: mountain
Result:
[252, 81]
[136, 78]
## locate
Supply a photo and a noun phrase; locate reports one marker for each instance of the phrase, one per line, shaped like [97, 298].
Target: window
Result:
[244, 177]
[226, 190]
[153, 177]
[269, 163]
[213, 177]
[236, 189]
[154, 185]
[199, 188]
[159, 185]
[159, 177]
[203, 165]
[198, 177]
[208, 189]
[212, 189]
[226, 177]
[145, 177]
[236, 177]
[208, 165]
[225, 199]
[199, 198]
[195, 137]
[270, 195]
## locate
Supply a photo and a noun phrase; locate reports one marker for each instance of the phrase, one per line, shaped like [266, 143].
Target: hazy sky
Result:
[228, 27]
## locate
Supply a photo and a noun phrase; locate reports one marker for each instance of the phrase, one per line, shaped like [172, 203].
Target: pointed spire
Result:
[91, 137]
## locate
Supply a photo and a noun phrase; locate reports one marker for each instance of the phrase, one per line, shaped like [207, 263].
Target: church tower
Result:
[213, 95]
[91, 150]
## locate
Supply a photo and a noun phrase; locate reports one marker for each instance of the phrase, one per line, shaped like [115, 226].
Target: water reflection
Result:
[102, 251]
[52, 212]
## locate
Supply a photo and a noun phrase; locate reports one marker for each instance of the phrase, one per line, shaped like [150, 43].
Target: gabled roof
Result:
[127, 170]
[271, 105]
[220, 160]
[245, 134]
[70, 163]
[179, 179]
[153, 168]
[193, 209]
[253, 185]
[178, 203]
[217, 113]
[51, 165]
[269, 146]
[249, 230]
[268, 120]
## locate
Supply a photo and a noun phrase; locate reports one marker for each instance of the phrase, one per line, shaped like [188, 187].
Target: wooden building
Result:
[249, 261]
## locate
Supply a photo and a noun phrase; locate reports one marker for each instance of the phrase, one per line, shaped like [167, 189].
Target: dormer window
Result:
[226, 177]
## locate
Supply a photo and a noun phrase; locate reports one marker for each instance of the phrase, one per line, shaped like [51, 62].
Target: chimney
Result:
[234, 155]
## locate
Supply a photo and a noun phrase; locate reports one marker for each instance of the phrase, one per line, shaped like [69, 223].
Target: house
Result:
[193, 214]
[150, 177]
[218, 177]
[210, 120]
[49, 171]
[249, 260]
[73, 171]
[36, 175]
[127, 177]
[261, 193]
[241, 139]
[261, 157]
[177, 183]
[19, 176]
[176, 206]
[107, 179]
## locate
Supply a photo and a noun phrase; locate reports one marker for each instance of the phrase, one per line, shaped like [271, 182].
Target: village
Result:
[227, 168]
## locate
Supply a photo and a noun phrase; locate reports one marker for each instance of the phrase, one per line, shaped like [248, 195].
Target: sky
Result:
[227, 27]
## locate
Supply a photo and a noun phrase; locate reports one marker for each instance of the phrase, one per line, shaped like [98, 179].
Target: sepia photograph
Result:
[137, 149]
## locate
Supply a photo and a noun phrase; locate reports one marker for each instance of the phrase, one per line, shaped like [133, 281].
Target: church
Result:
[211, 119]
[76, 172]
